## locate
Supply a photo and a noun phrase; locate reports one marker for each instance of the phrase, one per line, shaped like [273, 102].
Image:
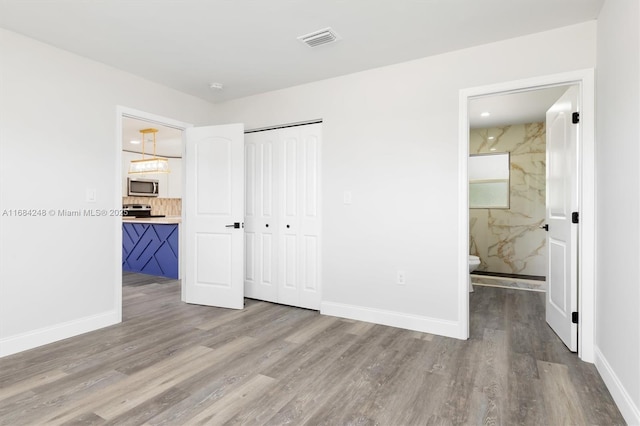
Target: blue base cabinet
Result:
[150, 248]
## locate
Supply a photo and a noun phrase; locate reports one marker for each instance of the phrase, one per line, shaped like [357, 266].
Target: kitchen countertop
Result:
[169, 220]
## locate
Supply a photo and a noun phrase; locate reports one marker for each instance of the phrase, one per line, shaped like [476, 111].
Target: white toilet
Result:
[474, 262]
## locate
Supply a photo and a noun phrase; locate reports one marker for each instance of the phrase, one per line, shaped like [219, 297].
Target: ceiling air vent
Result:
[316, 38]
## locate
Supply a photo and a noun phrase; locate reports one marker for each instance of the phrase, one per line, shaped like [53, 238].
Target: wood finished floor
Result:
[176, 364]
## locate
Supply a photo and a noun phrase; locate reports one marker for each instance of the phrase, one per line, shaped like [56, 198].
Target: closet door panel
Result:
[249, 263]
[288, 291]
[267, 193]
[288, 285]
[309, 291]
[268, 222]
[309, 220]
[260, 222]
[290, 175]
[267, 261]
[311, 163]
[250, 180]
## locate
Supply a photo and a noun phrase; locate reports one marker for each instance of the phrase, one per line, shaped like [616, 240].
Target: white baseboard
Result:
[32, 339]
[393, 319]
[628, 408]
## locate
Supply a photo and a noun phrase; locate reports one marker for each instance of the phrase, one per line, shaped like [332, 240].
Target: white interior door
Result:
[562, 201]
[214, 210]
[261, 219]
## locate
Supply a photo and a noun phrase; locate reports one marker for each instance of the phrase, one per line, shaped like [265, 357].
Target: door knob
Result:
[545, 227]
[235, 225]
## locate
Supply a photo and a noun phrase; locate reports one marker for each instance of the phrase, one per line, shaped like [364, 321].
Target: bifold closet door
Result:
[299, 251]
[282, 220]
[261, 223]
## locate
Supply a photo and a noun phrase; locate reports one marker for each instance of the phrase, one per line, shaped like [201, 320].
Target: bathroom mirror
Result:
[489, 181]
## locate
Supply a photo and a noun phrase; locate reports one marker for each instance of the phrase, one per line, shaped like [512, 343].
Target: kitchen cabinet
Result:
[150, 248]
[282, 215]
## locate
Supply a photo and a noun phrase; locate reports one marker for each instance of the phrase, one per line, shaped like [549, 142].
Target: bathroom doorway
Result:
[507, 188]
[503, 252]
[508, 230]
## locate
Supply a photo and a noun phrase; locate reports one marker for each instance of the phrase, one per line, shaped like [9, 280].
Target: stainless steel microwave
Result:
[142, 187]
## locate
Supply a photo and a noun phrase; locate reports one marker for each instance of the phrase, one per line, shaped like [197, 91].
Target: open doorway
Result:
[152, 201]
[149, 244]
[512, 139]
[585, 172]
[507, 199]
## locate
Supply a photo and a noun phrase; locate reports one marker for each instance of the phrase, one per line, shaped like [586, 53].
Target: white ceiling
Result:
[513, 108]
[251, 46]
[168, 139]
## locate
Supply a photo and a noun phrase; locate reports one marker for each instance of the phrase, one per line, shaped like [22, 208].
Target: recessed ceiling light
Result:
[134, 142]
[492, 149]
[485, 114]
[491, 138]
[216, 86]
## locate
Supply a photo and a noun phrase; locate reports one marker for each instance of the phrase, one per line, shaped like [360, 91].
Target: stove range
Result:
[138, 210]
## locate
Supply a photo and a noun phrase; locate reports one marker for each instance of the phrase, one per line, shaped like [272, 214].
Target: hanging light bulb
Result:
[149, 165]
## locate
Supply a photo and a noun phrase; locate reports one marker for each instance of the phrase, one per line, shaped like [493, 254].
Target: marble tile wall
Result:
[165, 206]
[509, 240]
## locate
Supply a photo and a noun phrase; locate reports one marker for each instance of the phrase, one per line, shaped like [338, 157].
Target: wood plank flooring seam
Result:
[170, 363]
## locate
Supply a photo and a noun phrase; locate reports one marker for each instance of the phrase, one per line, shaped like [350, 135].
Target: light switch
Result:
[91, 195]
[347, 198]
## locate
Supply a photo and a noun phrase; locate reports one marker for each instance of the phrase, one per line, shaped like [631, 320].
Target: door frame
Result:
[585, 80]
[121, 113]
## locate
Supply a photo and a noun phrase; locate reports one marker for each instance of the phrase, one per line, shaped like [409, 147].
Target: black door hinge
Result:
[575, 117]
[575, 217]
[574, 317]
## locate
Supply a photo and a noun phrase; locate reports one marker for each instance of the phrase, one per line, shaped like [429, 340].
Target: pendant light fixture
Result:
[149, 165]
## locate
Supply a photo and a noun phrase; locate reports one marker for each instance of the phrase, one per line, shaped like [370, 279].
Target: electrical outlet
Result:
[401, 278]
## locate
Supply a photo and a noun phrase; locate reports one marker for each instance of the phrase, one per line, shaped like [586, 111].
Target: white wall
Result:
[618, 194]
[58, 138]
[390, 136]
